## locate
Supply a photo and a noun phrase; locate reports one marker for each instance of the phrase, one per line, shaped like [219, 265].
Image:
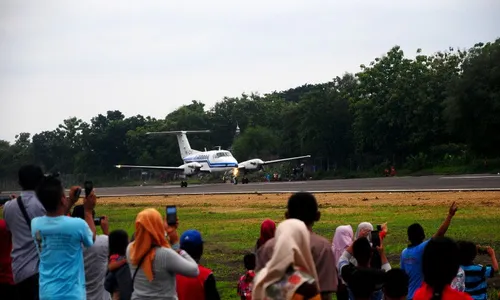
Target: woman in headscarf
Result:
[341, 241]
[376, 261]
[267, 230]
[363, 226]
[290, 273]
[152, 261]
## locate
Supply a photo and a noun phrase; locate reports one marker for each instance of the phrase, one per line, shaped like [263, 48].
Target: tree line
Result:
[427, 112]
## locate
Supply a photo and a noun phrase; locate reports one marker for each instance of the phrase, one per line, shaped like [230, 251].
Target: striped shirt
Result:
[475, 280]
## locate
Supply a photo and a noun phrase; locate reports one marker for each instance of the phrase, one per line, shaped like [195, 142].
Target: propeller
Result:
[258, 164]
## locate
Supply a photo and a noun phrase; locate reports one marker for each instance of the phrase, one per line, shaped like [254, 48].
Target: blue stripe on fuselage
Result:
[212, 165]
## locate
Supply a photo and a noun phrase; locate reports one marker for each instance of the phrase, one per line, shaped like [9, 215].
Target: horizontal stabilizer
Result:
[179, 132]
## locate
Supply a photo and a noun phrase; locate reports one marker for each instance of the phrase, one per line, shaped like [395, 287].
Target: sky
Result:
[60, 59]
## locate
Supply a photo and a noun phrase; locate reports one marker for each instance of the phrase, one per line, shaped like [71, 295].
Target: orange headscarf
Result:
[149, 231]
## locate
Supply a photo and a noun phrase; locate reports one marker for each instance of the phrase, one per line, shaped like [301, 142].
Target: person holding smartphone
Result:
[152, 261]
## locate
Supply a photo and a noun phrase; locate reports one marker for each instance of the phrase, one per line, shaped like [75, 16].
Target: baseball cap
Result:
[192, 237]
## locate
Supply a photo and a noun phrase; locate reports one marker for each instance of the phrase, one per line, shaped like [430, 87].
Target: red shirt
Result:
[5, 259]
[192, 288]
[425, 293]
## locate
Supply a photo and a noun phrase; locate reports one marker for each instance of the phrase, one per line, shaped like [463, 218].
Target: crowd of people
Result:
[50, 250]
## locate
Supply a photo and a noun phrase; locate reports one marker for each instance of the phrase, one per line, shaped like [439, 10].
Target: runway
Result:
[385, 184]
[393, 184]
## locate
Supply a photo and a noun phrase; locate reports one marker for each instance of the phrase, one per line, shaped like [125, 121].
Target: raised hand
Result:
[453, 209]
[90, 201]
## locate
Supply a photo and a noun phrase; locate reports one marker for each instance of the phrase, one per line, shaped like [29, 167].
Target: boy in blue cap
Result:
[202, 287]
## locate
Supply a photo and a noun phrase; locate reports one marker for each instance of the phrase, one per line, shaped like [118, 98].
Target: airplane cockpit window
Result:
[222, 154]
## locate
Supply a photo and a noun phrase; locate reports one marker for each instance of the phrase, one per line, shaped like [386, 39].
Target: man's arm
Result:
[73, 197]
[89, 205]
[211, 288]
[386, 266]
[444, 227]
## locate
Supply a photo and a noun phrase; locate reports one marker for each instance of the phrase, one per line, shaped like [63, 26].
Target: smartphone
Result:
[89, 186]
[375, 238]
[171, 215]
[78, 192]
[97, 221]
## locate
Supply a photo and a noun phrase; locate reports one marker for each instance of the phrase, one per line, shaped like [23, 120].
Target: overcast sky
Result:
[79, 58]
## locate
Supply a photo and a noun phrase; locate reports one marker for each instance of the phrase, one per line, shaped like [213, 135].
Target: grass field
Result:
[230, 223]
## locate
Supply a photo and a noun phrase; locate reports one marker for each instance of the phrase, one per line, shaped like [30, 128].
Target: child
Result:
[118, 280]
[203, 286]
[245, 282]
[475, 274]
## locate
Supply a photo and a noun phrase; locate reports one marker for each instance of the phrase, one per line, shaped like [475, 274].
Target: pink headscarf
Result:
[341, 240]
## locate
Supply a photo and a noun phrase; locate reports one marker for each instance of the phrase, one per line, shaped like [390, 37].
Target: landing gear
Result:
[245, 180]
[184, 184]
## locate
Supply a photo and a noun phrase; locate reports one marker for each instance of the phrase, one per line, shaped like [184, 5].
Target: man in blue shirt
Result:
[59, 240]
[411, 258]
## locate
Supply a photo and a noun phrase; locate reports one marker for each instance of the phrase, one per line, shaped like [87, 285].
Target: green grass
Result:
[230, 232]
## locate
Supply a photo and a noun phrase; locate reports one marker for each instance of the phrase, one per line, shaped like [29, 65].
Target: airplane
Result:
[212, 161]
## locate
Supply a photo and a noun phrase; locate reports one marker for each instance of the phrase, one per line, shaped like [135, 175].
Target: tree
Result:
[473, 105]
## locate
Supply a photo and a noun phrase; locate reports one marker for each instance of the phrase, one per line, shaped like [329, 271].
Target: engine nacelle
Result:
[253, 164]
[192, 168]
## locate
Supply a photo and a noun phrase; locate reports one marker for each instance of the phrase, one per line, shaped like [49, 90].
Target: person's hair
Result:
[194, 250]
[50, 192]
[118, 242]
[362, 285]
[440, 264]
[468, 252]
[303, 206]
[362, 251]
[249, 261]
[416, 234]
[396, 283]
[30, 177]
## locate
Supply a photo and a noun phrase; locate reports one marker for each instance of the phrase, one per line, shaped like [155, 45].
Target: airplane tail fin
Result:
[184, 146]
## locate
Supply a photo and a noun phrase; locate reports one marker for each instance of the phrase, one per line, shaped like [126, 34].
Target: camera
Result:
[97, 221]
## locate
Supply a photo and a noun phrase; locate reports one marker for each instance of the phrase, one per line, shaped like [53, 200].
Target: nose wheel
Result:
[245, 180]
[184, 184]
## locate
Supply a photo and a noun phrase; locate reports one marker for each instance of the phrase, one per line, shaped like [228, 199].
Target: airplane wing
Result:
[172, 169]
[269, 162]
[257, 164]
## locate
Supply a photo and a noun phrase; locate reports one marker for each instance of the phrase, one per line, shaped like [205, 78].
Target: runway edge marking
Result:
[311, 191]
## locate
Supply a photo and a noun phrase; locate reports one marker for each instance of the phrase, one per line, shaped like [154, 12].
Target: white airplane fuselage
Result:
[213, 161]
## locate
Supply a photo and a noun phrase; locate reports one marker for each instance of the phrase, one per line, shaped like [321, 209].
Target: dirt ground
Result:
[490, 199]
